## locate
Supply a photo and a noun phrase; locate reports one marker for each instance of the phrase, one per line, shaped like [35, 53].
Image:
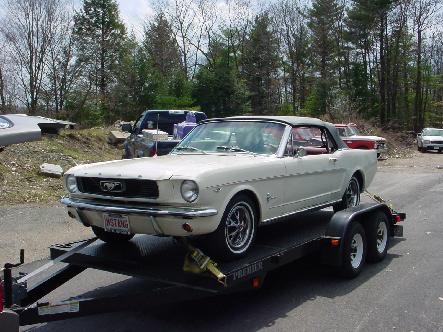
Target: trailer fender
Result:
[338, 226]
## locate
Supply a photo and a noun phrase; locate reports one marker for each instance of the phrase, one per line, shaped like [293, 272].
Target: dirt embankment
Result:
[21, 181]
[20, 178]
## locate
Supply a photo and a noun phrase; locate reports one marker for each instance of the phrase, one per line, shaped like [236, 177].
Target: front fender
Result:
[237, 189]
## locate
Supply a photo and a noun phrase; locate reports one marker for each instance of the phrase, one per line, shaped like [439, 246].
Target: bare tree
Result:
[30, 29]
[423, 12]
[62, 69]
[181, 14]
[239, 21]
[291, 26]
[2, 85]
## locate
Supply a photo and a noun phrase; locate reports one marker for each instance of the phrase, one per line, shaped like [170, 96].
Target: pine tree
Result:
[324, 16]
[219, 90]
[260, 64]
[99, 36]
[161, 47]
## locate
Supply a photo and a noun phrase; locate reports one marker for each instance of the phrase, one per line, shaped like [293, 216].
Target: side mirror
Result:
[301, 152]
[127, 128]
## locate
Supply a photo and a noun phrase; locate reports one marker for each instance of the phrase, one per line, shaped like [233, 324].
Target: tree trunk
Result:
[2, 93]
[418, 89]
[382, 87]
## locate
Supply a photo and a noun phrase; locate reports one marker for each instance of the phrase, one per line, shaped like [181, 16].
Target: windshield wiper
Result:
[232, 148]
[189, 148]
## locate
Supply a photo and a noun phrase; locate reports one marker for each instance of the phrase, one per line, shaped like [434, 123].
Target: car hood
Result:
[166, 167]
[26, 128]
[364, 138]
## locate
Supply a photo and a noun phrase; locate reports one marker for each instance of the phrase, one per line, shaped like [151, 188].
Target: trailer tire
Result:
[112, 238]
[351, 197]
[218, 244]
[377, 232]
[354, 251]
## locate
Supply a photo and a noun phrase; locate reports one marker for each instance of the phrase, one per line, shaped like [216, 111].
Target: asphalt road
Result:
[402, 293]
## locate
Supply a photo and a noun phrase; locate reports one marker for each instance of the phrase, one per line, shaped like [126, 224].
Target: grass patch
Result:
[20, 178]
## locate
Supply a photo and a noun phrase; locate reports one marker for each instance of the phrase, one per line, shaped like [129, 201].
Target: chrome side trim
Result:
[312, 208]
[144, 211]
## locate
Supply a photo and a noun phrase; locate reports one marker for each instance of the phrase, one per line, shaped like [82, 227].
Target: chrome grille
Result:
[129, 188]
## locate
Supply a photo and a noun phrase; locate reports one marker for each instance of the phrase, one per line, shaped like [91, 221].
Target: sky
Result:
[135, 13]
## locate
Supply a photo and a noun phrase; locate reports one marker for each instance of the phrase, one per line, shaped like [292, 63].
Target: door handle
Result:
[333, 159]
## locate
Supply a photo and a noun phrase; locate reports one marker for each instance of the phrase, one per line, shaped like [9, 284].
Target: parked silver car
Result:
[430, 139]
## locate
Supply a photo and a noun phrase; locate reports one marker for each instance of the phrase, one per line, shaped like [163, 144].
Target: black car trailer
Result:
[163, 261]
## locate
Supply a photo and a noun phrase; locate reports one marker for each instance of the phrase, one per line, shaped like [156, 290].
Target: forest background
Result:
[378, 60]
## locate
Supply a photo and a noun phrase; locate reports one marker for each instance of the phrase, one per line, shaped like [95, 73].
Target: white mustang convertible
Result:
[224, 180]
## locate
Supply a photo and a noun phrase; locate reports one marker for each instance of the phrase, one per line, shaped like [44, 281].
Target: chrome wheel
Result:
[382, 237]
[352, 194]
[239, 229]
[356, 253]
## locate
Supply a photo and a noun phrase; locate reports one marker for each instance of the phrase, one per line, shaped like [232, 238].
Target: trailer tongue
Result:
[178, 271]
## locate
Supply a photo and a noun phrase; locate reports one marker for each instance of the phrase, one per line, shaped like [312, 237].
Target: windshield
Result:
[352, 131]
[233, 137]
[432, 132]
[342, 131]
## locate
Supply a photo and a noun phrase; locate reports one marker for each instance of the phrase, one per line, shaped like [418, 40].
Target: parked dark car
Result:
[137, 145]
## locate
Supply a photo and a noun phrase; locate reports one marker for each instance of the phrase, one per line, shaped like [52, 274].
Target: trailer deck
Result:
[161, 261]
[161, 258]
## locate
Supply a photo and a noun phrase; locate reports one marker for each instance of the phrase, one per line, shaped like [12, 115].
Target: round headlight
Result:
[189, 190]
[71, 183]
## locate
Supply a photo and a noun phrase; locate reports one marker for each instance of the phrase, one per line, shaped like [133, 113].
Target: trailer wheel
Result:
[351, 197]
[378, 236]
[236, 231]
[354, 251]
[112, 238]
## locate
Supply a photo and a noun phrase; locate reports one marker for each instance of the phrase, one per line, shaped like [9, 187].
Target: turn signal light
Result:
[335, 242]
[256, 283]
[187, 227]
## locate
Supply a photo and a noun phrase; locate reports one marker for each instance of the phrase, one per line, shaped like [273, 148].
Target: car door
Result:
[314, 171]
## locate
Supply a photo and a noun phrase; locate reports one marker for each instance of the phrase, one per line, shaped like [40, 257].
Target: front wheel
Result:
[236, 231]
[354, 251]
[351, 197]
[112, 238]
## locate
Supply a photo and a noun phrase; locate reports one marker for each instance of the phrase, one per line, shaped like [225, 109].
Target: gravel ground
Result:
[34, 228]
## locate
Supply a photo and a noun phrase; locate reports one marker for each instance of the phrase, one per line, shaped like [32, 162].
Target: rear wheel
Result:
[377, 231]
[108, 237]
[351, 197]
[236, 231]
[354, 251]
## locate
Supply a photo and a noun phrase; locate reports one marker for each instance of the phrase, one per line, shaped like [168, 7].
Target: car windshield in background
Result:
[433, 132]
[353, 131]
[342, 131]
[233, 137]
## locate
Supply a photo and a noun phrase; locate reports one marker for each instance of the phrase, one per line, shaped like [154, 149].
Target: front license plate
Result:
[116, 223]
[435, 147]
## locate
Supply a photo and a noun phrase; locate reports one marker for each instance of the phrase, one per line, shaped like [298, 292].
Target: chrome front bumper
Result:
[186, 213]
